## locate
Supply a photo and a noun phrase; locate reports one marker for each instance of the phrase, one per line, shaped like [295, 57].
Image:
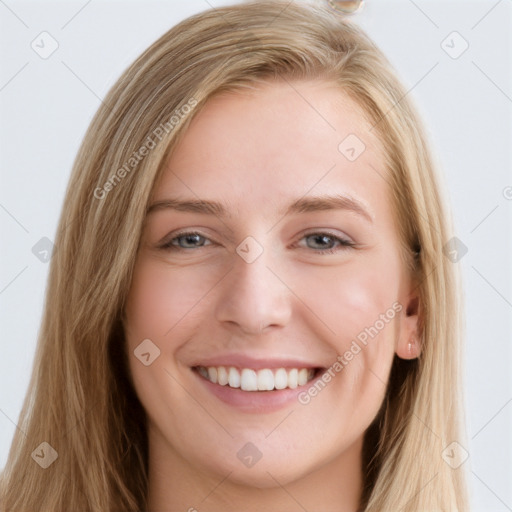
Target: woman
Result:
[249, 307]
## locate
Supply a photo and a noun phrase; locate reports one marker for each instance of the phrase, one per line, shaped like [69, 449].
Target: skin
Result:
[257, 151]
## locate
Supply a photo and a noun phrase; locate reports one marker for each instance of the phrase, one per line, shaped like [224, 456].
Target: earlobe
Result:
[413, 349]
[409, 346]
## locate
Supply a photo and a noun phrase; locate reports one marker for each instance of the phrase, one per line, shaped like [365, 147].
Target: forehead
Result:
[256, 148]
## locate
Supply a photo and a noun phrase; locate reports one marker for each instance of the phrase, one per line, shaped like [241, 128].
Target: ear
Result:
[409, 342]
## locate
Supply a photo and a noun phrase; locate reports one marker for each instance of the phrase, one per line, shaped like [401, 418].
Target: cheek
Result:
[164, 306]
[163, 300]
[356, 302]
[351, 298]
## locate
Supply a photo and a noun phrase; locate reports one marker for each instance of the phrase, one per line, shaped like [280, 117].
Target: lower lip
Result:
[256, 401]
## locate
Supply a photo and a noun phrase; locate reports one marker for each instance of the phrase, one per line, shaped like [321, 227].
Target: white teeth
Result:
[233, 378]
[303, 376]
[293, 378]
[249, 380]
[222, 376]
[212, 374]
[261, 380]
[265, 380]
[281, 379]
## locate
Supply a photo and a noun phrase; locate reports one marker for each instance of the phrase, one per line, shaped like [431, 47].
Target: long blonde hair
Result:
[81, 400]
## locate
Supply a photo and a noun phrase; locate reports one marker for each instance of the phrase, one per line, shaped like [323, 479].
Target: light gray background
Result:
[46, 105]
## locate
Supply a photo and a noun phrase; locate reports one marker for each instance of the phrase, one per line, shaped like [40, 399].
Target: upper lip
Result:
[254, 363]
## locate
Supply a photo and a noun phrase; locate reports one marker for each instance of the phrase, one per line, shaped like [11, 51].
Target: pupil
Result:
[322, 239]
[191, 239]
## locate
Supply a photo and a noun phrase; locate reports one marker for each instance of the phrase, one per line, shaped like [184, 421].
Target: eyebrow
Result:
[301, 205]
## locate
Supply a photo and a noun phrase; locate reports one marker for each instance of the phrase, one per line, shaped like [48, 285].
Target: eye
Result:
[185, 240]
[326, 243]
[321, 242]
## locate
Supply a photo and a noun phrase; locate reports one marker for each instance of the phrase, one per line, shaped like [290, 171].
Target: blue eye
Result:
[320, 242]
[188, 240]
[327, 243]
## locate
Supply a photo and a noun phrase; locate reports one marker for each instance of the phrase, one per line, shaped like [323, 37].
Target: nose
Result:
[254, 296]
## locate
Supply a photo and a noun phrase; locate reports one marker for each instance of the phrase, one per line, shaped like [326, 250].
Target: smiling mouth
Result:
[265, 379]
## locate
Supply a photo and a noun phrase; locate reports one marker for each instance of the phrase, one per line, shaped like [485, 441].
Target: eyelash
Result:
[344, 244]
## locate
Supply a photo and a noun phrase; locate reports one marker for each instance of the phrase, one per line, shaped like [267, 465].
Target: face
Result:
[269, 287]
